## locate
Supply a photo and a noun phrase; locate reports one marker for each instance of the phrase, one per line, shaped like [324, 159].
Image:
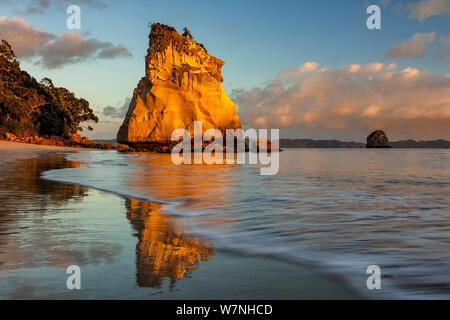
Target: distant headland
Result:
[376, 140]
[403, 144]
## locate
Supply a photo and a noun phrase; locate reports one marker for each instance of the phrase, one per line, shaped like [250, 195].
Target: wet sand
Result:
[5, 145]
[126, 248]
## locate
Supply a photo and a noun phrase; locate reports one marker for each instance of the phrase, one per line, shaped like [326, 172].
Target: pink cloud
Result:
[54, 51]
[353, 97]
[25, 39]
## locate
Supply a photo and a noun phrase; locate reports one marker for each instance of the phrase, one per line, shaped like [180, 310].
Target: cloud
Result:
[117, 112]
[413, 48]
[110, 51]
[424, 9]
[354, 97]
[52, 51]
[23, 37]
[444, 49]
[29, 7]
[309, 66]
[70, 48]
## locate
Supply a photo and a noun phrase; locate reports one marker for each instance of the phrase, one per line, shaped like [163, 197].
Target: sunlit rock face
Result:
[183, 84]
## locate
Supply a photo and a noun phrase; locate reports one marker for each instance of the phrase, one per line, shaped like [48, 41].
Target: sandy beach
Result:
[5, 145]
[47, 226]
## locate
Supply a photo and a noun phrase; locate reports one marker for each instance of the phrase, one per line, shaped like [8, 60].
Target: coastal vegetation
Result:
[29, 108]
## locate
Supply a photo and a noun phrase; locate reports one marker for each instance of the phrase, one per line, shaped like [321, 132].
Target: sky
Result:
[311, 68]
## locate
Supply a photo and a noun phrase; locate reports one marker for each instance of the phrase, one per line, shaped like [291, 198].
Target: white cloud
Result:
[413, 48]
[308, 66]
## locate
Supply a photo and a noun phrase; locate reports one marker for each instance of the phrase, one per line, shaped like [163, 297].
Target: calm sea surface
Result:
[338, 211]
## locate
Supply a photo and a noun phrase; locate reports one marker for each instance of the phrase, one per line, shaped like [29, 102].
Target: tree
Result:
[29, 107]
[73, 110]
[187, 33]
[7, 56]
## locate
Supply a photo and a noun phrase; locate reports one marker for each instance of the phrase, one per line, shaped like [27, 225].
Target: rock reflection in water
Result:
[163, 250]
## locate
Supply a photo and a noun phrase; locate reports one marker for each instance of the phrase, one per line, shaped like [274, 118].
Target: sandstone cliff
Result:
[183, 84]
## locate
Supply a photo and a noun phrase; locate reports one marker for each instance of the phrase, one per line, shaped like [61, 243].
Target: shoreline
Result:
[75, 142]
[227, 275]
[7, 145]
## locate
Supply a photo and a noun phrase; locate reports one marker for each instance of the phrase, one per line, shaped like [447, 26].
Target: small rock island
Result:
[378, 139]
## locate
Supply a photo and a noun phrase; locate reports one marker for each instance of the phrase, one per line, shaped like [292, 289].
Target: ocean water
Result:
[335, 210]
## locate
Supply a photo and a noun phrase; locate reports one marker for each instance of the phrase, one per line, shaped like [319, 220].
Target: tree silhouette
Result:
[187, 33]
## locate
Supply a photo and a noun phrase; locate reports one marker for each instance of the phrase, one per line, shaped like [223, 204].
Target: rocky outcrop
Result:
[73, 141]
[378, 139]
[182, 84]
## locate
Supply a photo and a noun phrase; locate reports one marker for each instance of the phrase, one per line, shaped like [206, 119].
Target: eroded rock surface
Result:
[183, 84]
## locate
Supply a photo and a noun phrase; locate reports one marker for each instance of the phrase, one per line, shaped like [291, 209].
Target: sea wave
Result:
[337, 211]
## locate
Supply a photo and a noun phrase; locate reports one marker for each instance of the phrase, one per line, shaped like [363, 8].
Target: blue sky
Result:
[256, 39]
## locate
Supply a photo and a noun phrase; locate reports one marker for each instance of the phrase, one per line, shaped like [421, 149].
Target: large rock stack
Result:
[182, 84]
